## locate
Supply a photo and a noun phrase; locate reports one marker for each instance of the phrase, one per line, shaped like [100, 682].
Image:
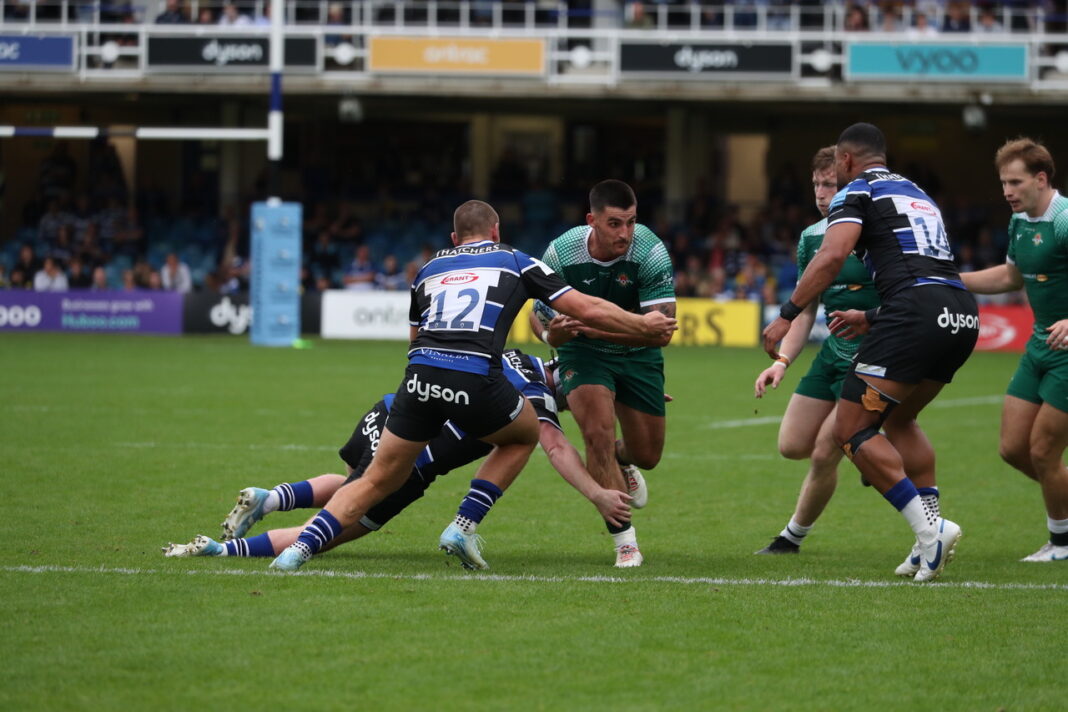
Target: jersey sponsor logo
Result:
[1041, 278]
[569, 374]
[426, 391]
[623, 278]
[370, 429]
[460, 278]
[923, 207]
[958, 321]
[591, 280]
[855, 287]
[1037, 239]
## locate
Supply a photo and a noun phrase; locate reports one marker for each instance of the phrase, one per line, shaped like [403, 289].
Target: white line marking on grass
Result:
[775, 419]
[224, 446]
[508, 578]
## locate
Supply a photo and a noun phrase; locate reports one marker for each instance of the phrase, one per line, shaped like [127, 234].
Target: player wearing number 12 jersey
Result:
[923, 332]
[464, 301]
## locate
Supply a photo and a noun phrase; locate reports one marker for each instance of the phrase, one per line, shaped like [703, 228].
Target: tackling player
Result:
[924, 331]
[806, 426]
[449, 450]
[1034, 417]
[463, 303]
[608, 376]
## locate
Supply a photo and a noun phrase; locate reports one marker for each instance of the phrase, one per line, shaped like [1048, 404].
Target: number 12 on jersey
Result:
[458, 300]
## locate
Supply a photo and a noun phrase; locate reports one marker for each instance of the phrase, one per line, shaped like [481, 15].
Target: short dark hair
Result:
[1036, 157]
[823, 159]
[865, 139]
[474, 217]
[611, 193]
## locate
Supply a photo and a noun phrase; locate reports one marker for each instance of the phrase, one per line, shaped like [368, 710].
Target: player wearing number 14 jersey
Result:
[924, 331]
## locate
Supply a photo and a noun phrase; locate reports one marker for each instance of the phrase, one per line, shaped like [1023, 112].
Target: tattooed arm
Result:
[576, 327]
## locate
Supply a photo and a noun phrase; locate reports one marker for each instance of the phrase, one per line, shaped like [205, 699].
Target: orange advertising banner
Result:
[457, 55]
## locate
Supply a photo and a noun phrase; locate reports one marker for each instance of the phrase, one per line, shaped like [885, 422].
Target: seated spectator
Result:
[4, 283]
[82, 217]
[62, 250]
[922, 27]
[129, 283]
[19, 280]
[206, 16]
[890, 21]
[50, 277]
[263, 19]
[27, 262]
[231, 17]
[323, 257]
[390, 276]
[173, 14]
[78, 276]
[100, 280]
[988, 21]
[175, 275]
[636, 17]
[956, 18]
[50, 223]
[335, 16]
[361, 274]
[155, 281]
[856, 19]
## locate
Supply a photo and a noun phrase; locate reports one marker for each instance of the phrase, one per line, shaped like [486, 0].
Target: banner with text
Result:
[365, 315]
[39, 53]
[83, 310]
[700, 60]
[227, 53]
[457, 55]
[937, 61]
[1005, 328]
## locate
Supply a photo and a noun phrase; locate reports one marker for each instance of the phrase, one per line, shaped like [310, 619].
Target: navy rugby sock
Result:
[259, 545]
[298, 495]
[322, 530]
[482, 495]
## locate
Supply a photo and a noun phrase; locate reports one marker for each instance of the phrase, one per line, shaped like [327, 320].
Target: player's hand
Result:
[668, 397]
[1058, 335]
[770, 376]
[774, 333]
[613, 505]
[659, 325]
[848, 324]
[562, 329]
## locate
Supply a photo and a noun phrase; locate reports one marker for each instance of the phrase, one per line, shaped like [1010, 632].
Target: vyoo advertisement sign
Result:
[936, 61]
[82, 310]
[702, 60]
[365, 315]
[227, 53]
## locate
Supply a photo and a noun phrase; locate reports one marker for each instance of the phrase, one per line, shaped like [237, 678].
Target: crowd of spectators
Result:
[103, 240]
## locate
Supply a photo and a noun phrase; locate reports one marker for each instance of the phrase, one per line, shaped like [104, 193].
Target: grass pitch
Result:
[112, 446]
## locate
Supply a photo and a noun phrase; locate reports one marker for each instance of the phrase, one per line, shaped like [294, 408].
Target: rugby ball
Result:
[543, 312]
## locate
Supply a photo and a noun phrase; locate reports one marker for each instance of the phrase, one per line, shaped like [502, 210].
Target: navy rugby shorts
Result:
[922, 333]
[428, 396]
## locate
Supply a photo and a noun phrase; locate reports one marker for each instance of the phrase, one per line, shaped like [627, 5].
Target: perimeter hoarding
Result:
[142, 312]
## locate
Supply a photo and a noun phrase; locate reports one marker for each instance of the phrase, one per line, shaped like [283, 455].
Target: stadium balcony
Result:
[537, 48]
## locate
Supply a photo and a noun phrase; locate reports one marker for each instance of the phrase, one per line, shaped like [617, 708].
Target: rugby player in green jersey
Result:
[607, 376]
[1034, 417]
[805, 431]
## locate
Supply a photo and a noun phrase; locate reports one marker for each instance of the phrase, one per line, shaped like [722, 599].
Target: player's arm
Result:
[556, 333]
[993, 280]
[613, 505]
[666, 308]
[839, 241]
[606, 316]
[792, 345]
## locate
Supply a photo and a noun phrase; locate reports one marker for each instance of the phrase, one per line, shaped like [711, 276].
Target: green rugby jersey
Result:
[1039, 249]
[640, 278]
[853, 288]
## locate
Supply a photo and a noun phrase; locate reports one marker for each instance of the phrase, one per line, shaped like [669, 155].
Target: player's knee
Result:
[793, 449]
[851, 444]
[825, 455]
[645, 460]
[1016, 456]
[1044, 453]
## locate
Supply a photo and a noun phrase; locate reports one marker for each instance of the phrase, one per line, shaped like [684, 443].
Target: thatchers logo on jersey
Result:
[623, 278]
[426, 391]
[956, 322]
[460, 278]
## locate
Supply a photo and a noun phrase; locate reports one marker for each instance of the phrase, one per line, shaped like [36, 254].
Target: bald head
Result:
[474, 219]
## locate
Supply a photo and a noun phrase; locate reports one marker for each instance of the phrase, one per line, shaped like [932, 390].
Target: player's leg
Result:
[1049, 438]
[1017, 421]
[513, 445]
[593, 406]
[807, 430]
[270, 543]
[254, 503]
[638, 381]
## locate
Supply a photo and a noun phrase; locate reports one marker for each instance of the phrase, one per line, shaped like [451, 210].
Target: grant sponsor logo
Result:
[426, 391]
[459, 278]
[958, 321]
[923, 207]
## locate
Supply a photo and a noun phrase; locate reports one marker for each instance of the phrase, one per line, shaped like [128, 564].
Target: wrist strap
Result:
[789, 310]
[784, 360]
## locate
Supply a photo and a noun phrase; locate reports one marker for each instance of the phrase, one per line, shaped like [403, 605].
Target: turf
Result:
[112, 446]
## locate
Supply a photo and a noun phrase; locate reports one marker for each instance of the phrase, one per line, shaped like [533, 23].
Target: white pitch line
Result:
[510, 578]
[775, 419]
[149, 445]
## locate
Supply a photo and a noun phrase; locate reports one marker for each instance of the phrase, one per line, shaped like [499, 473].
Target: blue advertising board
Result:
[937, 61]
[37, 52]
[275, 287]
